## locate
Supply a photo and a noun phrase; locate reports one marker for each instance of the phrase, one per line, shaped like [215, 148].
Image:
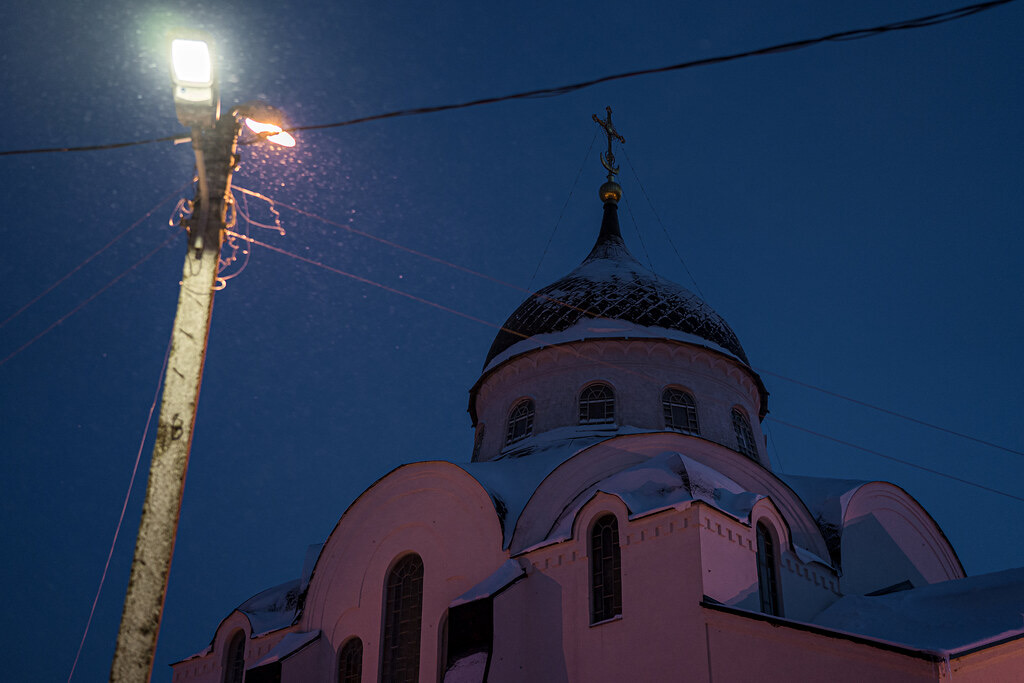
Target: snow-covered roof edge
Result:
[603, 328]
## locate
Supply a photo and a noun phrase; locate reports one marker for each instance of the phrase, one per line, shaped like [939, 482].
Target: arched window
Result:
[234, 661]
[597, 404]
[520, 421]
[680, 411]
[767, 575]
[350, 661]
[403, 609]
[744, 435]
[605, 570]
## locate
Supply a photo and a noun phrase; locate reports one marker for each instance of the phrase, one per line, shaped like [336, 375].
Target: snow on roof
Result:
[469, 669]
[669, 480]
[273, 608]
[826, 499]
[512, 479]
[611, 283]
[603, 328]
[947, 617]
[289, 645]
[508, 573]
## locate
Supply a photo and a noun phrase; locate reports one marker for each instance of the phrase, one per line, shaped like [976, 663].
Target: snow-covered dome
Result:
[611, 284]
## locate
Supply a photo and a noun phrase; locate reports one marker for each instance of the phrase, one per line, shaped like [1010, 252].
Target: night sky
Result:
[854, 210]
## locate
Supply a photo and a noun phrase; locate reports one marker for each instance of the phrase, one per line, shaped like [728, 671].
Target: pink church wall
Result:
[888, 537]
[209, 667]
[657, 632]
[433, 509]
[1000, 663]
[744, 649]
[639, 371]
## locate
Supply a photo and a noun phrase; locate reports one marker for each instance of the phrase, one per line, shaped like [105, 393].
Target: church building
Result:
[619, 519]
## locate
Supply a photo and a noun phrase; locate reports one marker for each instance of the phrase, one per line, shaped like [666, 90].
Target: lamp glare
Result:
[271, 133]
[190, 60]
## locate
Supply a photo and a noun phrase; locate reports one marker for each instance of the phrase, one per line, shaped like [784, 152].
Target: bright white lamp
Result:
[195, 83]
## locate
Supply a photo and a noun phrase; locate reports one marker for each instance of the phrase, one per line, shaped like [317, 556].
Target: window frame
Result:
[401, 632]
[746, 443]
[346, 657]
[234, 658]
[585, 404]
[605, 567]
[767, 558]
[529, 411]
[688, 405]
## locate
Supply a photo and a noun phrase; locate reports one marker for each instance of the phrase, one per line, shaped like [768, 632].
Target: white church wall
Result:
[638, 371]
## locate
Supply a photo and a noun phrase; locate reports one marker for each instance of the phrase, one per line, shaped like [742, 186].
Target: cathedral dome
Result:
[611, 284]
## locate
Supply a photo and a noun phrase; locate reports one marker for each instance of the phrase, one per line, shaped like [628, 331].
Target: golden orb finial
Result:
[611, 191]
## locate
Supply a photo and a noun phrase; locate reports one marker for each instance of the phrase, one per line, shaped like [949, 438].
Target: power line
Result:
[842, 36]
[558, 302]
[97, 253]
[562, 212]
[891, 412]
[467, 316]
[124, 507]
[79, 307]
[894, 459]
[663, 228]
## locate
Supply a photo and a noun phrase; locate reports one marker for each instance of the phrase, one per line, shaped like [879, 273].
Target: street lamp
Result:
[195, 85]
[215, 140]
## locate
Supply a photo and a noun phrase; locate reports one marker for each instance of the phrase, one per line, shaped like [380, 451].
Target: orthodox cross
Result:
[608, 160]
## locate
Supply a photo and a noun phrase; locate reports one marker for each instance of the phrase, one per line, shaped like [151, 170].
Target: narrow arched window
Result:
[520, 421]
[350, 661]
[744, 435]
[597, 404]
[680, 411]
[234, 661]
[767, 574]
[605, 570]
[403, 610]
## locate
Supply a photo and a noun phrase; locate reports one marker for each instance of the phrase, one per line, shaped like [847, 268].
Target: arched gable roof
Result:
[432, 508]
[612, 463]
[837, 504]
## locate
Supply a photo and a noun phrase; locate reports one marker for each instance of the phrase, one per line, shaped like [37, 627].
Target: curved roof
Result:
[611, 284]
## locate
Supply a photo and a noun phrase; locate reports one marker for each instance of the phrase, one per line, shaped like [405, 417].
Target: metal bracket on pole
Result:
[154, 546]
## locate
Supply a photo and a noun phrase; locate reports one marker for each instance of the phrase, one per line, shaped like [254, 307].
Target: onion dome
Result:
[611, 284]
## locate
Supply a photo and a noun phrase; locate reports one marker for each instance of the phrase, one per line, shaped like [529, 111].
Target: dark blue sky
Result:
[854, 211]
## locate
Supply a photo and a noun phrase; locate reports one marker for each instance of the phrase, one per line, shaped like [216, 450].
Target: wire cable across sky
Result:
[841, 36]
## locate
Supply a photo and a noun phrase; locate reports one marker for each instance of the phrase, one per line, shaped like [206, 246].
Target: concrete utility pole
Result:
[154, 547]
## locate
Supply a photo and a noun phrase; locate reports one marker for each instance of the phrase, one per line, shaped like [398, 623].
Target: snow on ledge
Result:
[469, 669]
[289, 645]
[507, 574]
[603, 328]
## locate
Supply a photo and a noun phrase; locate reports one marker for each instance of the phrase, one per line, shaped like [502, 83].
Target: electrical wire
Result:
[467, 316]
[562, 212]
[470, 271]
[658, 218]
[902, 416]
[79, 307]
[841, 36]
[409, 250]
[894, 459]
[86, 261]
[124, 507]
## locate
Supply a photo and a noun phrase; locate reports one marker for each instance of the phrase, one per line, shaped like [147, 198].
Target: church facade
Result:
[620, 520]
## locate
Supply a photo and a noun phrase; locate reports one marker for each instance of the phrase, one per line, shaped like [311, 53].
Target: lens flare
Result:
[270, 133]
